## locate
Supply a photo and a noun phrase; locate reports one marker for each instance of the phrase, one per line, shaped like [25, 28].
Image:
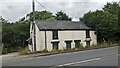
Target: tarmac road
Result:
[96, 57]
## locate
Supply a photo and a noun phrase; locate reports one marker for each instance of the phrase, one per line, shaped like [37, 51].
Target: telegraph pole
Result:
[33, 23]
[33, 8]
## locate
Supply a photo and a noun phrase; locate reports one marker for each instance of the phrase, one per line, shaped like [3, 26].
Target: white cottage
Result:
[54, 34]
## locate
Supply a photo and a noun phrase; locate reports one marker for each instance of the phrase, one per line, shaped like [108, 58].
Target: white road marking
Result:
[84, 61]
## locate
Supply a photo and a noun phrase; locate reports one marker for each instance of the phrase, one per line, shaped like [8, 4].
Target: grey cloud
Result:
[15, 9]
[12, 11]
[76, 9]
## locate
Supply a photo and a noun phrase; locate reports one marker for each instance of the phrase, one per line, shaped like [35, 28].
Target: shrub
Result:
[24, 51]
[44, 51]
[4, 51]
[53, 51]
[9, 50]
[61, 51]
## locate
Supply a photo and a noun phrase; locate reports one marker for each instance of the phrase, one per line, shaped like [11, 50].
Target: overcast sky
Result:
[13, 10]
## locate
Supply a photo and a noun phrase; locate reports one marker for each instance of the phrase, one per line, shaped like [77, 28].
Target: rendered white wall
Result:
[63, 36]
[70, 35]
[93, 38]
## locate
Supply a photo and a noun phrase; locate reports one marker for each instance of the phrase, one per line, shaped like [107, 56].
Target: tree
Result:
[21, 31]
[14, 35]
[42, 15]
[105, 22]
[111, 8]
[114, 9]
[46, 15]
[62, 16]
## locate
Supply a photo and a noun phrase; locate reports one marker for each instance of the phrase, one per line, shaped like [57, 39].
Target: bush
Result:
[60, 51]
[24, 51]
[53, 51]
[44, 51]
[9, 50]
[4, 51]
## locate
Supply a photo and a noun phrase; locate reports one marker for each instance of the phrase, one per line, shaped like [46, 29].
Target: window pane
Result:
[77, 44]
[55, 45]
[68, 44]
[55, 34]
[87, 33]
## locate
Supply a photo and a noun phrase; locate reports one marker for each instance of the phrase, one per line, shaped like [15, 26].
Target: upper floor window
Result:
[55, 34]
[87, 33]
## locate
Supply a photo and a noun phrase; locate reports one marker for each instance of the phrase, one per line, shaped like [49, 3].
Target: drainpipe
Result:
[45, 41]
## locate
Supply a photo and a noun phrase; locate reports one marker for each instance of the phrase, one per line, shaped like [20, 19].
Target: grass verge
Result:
[24, 51]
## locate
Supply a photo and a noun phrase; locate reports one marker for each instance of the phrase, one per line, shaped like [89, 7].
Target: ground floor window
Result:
[77, 43]
[68, 44]
[55, 45]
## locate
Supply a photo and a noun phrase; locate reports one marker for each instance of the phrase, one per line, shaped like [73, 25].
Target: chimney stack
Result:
[75, 19]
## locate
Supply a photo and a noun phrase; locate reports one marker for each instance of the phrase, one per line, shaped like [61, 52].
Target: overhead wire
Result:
[44, 6]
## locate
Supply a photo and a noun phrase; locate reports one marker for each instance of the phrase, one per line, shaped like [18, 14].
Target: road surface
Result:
[96, 57]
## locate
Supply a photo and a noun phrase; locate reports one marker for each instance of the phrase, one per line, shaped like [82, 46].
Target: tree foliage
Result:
[111, 8]
[14, 35]
[41, 15]
[105, 22]
[62, 16]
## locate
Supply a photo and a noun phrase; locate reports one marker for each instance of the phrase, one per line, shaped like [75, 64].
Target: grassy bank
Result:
[25, 51]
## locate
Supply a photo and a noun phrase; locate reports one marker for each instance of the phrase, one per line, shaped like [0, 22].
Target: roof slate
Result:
[61, 25]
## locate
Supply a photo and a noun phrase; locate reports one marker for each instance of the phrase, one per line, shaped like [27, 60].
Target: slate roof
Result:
[60, 25]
